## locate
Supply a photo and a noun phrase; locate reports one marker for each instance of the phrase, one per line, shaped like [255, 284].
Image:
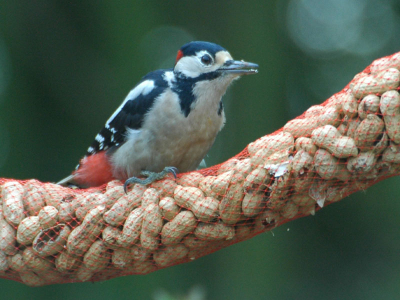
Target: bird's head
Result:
[210, 61]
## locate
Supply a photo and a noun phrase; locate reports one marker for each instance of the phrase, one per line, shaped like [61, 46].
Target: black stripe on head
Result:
[192, 48]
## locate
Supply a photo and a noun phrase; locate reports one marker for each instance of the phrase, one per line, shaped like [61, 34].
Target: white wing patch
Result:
[99, 138]
[90, 150]
[143, 88]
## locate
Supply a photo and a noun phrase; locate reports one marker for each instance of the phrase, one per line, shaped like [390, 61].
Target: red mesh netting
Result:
[51, 234]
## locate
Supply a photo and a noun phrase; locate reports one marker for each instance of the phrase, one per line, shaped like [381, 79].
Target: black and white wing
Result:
[130, 114]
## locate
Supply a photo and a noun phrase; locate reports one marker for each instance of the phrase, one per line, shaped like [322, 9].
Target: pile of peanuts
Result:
[51, 234]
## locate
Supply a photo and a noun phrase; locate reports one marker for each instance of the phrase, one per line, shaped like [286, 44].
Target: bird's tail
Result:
[67, 180]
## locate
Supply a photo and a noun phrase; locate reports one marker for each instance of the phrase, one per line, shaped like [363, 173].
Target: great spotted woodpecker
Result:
[168, 122]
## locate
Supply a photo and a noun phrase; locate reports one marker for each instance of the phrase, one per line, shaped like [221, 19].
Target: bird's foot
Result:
[151, 177]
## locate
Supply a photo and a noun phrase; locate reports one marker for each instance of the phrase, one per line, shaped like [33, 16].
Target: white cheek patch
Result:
[189, 66]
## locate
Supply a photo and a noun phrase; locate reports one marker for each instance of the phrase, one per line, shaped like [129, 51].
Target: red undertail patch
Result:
[94, 170]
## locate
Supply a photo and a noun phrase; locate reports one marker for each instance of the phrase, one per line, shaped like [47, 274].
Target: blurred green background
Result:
[66, 65]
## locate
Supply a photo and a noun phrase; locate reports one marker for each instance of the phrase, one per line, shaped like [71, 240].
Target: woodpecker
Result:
[166, 123]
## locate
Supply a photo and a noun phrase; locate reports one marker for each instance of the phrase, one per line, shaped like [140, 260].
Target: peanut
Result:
[48, 217]
[221, 183]
[386, 63]
[33, 198]
[150, 195]
[66, 212]
[66, 263]
[257, 180]
[86, 202]
[204, 208]
[13, 206]
[329, 167]
[121, 258]
[303, 180]
[205, 185]
[166, 187]
[302, 168]
[112, 184]
[183, 224]
[190, 179]
[83, 236]
[83, 273]
[306, 144]
[253, 203]
[368, 132]
[349, 126]
[214, 231]
[390, 108]
[148, 241]
[263, 148]
[112, 195]
[392, 153]
[349, 104]
[17, 263]
[56, 194]
[142, 268]
[131, 230]
[379, 82]
[34, 262]
[368, 105]
[280, 191]
[192, 242]
[28, 229]
[302, 199]
[31, 279]
[290, 210]
[7, 237]
[307, 210]
[168, 208]
[321, 117]
[97, 257]
[3, 262]
[152, 219]
[123, 206]
[228, 165]
[301, 161]
[230, 207]
[329, 138]
[140, 254]
[170, 255]
[151, 227]
[52, 240]
[243, 166]
[111, 236]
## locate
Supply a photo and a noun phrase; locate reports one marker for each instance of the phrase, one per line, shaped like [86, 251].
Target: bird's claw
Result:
[151, 177]
[171, 170]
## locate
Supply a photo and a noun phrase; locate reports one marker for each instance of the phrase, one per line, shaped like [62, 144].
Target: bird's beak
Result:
[239, 67]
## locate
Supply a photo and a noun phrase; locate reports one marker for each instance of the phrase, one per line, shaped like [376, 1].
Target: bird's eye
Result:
[206, 59]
